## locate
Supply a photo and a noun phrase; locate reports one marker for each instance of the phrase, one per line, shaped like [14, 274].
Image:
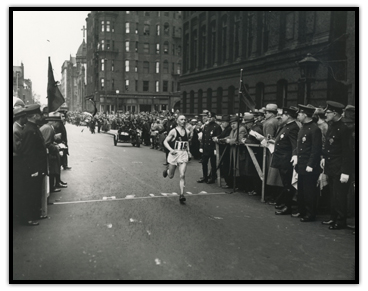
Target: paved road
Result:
[144, 233]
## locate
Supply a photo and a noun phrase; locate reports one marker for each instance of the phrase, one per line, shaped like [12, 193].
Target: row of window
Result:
[175, 50]
[145, 87]
[281, 98]
[147, 29]
[158, 13]
[146, 65]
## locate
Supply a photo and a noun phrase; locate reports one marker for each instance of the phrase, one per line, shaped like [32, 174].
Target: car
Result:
[125, 135]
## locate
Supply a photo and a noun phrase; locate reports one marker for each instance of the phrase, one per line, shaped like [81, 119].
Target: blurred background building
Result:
[22, 88]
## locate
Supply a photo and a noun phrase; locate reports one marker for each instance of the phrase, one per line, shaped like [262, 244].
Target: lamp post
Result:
[308, 68]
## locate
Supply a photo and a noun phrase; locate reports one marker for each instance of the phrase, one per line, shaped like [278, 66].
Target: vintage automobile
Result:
[128, 135]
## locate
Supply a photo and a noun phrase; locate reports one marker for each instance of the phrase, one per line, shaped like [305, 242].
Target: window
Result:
[145, 85]
[281, 95]
[202, 49]
[236, 35]
[157, 67]
[158, 29]
[102, 25]
[136, 28]
[146, 13]
[200, 96]
[178, 69]
[259, 94]
[165, 86]
[146, 67]
[127, 12]
[127, 27]
[157, 86]
[112, 84]
[108, 44]
[112, 66]
[146, 48]
[127, 45]
[107, 25]
[191, 101]
[136, 47]
[112, 27]
[172, 86]
[219, 100]
[173, 49]
[126, 85]
[184, 102]
[102, 84]
[194, 49]
[173, 68]
[166, 29]
[178, 86]
[136, 66]
[136, 85]
[209, 100]
[146, 29]
[102, 65]
[166, 47]
[158, 13]
[223, 39]
[157, 48]
[127, 66]
[102, 45]
[179, 50]
[213, 43]
[231, 96]
[166, 13]
[166, 67]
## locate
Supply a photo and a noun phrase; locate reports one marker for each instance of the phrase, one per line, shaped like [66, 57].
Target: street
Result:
[119, 219]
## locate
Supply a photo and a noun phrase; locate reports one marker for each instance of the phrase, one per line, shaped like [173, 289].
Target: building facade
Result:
[267, 45]
[22, 88]
[134, 59]
[73, 80]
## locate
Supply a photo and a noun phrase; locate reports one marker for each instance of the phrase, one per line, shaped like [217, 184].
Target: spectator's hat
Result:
[271, 108]
[319, 111]
[335, 106]
[54, 116]
[194, 120]
[225, 118]
[33, 109]
[291, 111]
[248, 117]
[18, 112]
[45, 110]
[211, 114]
[205, 112]
[307, 109]
[234, 118]
[218, 118]
[350, 112]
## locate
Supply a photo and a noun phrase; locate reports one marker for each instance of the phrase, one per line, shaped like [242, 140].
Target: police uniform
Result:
[225, 163]
[34, 154]
[338, 160]
[308, 152]
[285, 144]
[210, 130]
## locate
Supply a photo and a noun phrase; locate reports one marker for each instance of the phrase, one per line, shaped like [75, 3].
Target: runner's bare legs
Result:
[182, 169]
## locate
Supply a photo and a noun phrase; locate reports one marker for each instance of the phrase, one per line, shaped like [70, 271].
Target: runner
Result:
[177, 143]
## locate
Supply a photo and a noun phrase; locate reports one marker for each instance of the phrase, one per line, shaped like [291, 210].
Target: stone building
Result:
[134, 59]
[268, 46]
[73, 80]
[22, 88]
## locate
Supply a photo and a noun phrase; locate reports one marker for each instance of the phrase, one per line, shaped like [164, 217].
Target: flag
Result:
[54, 96]
[245, 97]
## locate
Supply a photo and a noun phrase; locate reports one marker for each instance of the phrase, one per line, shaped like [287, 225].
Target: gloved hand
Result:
[322, 163]
[344, 178]
[309, 169]
[201, 151]
[264, 142]
[294, 160]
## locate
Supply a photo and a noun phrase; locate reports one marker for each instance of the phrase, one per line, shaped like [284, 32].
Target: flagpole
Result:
[237, 133]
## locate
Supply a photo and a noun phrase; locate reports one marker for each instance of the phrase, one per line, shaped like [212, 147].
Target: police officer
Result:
[337, 163]
[208, 148]
[306, 159]
[34, 154]
[285, 144]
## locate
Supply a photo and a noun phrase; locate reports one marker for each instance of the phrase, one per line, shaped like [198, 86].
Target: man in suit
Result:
[33, 151]
[337, 163]
[20, 119]
[64, 138]
[208, 148]
[306, 159]
[285, 144]
[224, 167]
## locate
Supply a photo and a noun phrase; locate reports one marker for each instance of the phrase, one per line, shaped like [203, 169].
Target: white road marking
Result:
[135, 198]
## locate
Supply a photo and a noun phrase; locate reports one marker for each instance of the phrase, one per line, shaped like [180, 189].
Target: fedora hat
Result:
[271, 107]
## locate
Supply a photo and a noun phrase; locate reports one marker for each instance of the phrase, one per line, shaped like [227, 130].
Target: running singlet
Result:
[181, 142]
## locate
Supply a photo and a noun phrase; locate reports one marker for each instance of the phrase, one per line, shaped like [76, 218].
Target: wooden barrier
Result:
[261, 172]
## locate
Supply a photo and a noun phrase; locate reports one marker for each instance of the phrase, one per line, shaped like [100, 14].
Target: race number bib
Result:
[181, 145]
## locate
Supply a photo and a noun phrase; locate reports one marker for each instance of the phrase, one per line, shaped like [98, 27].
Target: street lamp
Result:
[308, 68]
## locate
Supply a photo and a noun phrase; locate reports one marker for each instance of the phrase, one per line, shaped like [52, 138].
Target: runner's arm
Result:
[169, 138]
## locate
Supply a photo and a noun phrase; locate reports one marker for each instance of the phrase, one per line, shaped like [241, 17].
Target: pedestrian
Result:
[64, 138]
[337, 164]
[33, 150]
[208, 149]
[285, 144]
[306, 160]
[177, 142]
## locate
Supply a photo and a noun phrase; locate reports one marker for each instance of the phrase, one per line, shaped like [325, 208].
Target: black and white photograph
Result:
[207, 146]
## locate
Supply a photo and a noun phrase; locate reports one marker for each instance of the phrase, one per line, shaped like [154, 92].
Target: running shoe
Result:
[182, 198]
[164, 173]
